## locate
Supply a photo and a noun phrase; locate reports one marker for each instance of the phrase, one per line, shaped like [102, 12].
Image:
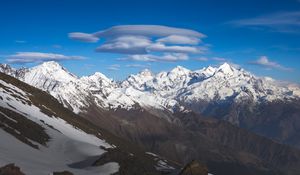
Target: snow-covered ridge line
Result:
[173, 90]
[67, 143]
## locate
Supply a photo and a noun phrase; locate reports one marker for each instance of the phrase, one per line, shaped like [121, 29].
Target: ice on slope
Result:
[47, 76]
[165, 90]
[68, 146]
[60, 152]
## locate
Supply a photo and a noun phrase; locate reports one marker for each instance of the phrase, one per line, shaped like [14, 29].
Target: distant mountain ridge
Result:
[40, 136]
[173, 90]
[167, 114]
[223, 92]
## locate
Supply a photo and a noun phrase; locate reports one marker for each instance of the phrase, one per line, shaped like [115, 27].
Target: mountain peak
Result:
[226, 68]
[53, 68]
[97, 75]
[146, 72]
[5, 67]
[225, 65]
[210, 69]
[180, 69]
[51, 64]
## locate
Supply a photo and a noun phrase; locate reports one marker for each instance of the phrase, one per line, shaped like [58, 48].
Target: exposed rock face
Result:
[10, 169]
[194, 168]
[163, 113]
[223, 92]
[40, 136]
[62, 173]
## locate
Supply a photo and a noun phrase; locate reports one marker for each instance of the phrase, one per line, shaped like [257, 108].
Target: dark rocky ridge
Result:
[10, 169]
[223, 147]
[278, 120]
[50, 106]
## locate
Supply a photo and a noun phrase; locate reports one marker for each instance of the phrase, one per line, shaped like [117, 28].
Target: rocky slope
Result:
[179, 87]
[223, 92]
[40, 136]
[164, 113]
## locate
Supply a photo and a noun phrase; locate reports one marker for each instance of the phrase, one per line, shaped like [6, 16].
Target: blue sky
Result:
[261, 36]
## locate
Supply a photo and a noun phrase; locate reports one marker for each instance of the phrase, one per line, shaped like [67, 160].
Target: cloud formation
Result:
[20, 41]
[167, 57]
[219, 59]
[32, 57]
[265, 62]
[179, 39]
[136, 66]
[84, 37]
[126, 45]
[146, 42]
[114, 67]
[278, 22]
[146, 30]
[201, 59]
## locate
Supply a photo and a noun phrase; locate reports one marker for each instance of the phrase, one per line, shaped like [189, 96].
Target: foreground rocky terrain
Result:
[40, 136]
[259, 104]
[182, 115]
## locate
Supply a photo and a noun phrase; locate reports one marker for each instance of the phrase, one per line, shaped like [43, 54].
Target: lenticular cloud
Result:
[144, 41]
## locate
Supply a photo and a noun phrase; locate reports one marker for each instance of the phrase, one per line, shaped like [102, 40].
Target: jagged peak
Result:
[52, 64]
[226, 68]
[210, 69]
[146, 72]
[180, 70]
[98, 75]
[52, 70]
[4, 65]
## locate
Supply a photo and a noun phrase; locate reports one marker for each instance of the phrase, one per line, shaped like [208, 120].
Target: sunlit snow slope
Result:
[62, 143]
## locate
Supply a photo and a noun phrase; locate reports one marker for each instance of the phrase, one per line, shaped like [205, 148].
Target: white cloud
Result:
[84, 37]
[31, 57]
[179, 39]
[147, 30]
[201, 59]
[265, 62]
[57, 46]
[159, 47]
[219, 59]
[114, 67]
[136, 66]
[126, 45]
[20, 41]
[146, 42]
[167, 57]
[278, 22]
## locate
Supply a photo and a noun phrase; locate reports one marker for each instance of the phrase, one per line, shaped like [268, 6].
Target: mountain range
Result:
[225, 117]
[42, 137]
[223, 92]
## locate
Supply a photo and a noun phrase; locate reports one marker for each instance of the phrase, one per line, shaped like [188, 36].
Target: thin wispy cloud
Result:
[136, 66]
[146, 42]
[57, 46]
[167, 57]
[20, 41]
[264, 61]
[220, 59]
[84, 37]
[114, 67]
[36, 57]
[277, 22]
[201, 59]
[179, 39]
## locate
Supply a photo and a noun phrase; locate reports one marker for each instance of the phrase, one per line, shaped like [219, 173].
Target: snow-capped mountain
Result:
[224, 92]
[175, 90]
[50, 142]
[136, 109]
[40, 136]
